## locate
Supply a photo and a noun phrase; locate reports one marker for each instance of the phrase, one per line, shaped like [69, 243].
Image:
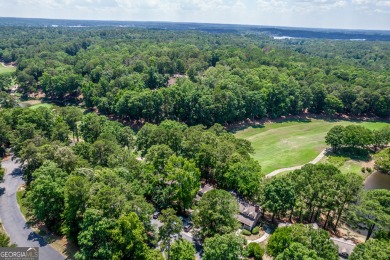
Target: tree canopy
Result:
[372, 249]
[301, 242]
[216, 213]
[371, 212]
[221, 247]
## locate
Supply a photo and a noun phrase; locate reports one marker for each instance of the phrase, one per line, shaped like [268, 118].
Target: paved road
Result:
[262, 238]
[316, 160]
[12, 219]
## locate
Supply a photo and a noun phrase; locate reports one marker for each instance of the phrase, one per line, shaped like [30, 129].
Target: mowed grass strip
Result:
[41, 105]
[291, 143]
[6, 69]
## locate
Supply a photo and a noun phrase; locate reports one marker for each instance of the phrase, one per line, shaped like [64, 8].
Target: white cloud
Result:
[383, 3]
[300, 5]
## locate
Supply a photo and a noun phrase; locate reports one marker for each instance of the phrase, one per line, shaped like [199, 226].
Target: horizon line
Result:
[187, 22]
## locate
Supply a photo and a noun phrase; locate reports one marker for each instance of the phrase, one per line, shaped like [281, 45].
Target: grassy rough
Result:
[22, 206]
[6, 69]
[291, 143]
[41, 105]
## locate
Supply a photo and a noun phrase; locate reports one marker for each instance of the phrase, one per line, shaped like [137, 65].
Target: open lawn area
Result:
[4, 69]
[292, 142]
[34, 104]
[41, 105]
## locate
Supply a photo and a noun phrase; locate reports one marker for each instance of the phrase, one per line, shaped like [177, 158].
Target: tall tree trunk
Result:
[339, 213]
[291, 215]
[326, 221]
[311, 215]
[310, 208]
[273, 217]
[370, 230]
[317, 213]
[300, 215]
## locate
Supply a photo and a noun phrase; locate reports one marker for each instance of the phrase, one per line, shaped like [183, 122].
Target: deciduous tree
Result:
[182, 250]
[216, 213]
[223, 247]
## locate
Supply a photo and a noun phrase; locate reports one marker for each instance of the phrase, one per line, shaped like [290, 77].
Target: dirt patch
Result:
[349, 234]
[6, 158]
[369, 164]
[172, 80]
[38, 94]
[9, 65]
[59, 243]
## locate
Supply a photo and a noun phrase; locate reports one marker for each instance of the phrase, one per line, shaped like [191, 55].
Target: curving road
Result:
[13, 220]
[316, 160]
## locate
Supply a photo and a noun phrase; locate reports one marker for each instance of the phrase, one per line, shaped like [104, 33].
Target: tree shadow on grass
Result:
[239, 127]
[356, 154]
[294, 120]
[260, 123]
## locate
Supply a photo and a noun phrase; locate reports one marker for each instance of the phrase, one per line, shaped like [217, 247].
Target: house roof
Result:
[249, 212]
[247, 209]
[245, 220]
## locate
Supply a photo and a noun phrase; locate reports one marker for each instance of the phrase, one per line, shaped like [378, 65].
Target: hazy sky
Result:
[354, 14]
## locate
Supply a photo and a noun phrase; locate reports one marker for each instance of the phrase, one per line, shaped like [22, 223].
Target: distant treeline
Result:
[308, 33]
[224, 78]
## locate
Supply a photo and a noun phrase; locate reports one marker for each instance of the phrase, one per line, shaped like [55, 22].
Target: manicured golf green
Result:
[292, 143]
[6, 69]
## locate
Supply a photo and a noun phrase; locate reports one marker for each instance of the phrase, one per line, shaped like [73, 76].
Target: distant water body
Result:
[291, 38]
[284, 38]
[377, 181]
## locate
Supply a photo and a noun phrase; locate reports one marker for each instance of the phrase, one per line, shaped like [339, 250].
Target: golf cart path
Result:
[316, 160]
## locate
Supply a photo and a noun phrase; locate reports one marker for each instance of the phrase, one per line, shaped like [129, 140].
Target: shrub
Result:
[2, 172]
[255, 230]
[255, 250]
[382, 161]
[369, 169]
[4, 239]
[337, 160]
[246, 232]
[363, 169]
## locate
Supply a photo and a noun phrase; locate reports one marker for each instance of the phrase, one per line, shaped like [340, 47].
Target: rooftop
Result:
[248, 212]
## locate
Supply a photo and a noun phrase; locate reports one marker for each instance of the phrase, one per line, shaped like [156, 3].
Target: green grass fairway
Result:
[41, 105]
[6, 69]
[292, 143]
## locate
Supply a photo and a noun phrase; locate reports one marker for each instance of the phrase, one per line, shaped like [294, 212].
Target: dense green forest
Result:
[100, 194]
[96, 191]
[98, 181]
[223, 78]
